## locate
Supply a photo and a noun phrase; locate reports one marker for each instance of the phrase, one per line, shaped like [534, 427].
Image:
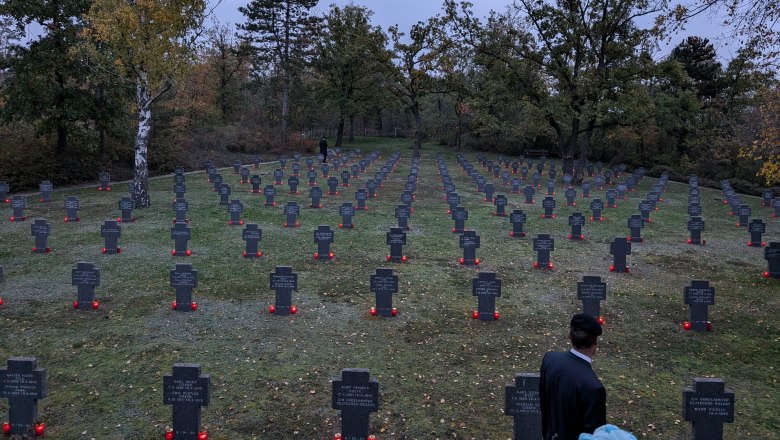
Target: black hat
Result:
[586, 323]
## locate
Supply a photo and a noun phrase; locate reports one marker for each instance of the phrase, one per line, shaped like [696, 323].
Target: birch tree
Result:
[151, 42]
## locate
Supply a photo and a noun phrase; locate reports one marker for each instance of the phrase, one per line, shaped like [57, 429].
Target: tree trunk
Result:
[340, 133]
[352, 128]
[571, 150]
[583, 159]
[417, 128]
[140, 191]
[285, 109]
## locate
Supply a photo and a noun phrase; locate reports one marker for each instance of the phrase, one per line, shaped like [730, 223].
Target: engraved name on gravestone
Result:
[699, 296]
[283, 282]
[23, 384]
[486, 287]
[591, 291]
[269, 192]
[180, 234]
[85, 276]
[384, 283]
[41, 230]
[708, 405]
[111, 231]
[183, 280]
[186, 390]
[521, 401]
[356, 395]
[252, 234]
[255, 181]
[323, 236]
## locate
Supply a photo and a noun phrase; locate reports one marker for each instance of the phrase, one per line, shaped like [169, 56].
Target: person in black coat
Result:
[571, 397]
[324, 149]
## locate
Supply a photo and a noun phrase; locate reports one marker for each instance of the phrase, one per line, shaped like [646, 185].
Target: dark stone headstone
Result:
[224, 194]
[635, 225]
[611, 197]
[186, 390]
[360, 196]
[345, 175]
[180, 234]
[41, 230]
[284, 281]
[111, 231]
[18, 203]
[591, 291]
[244, 175]
[489, 190]
[179, 189]
[256, 161]
[236, 166]
[252, 234]
[23, 384]
[459, 215]
[619, 248]
[621, 191]
[235, 208]
[216, 179]
[356, 395]
[291, 212]
[184, 279]
[529, 194]
[596, 206]
[292, 183]
[283, 163]
[486, 287]
[180, 208]
[269, 192]
[536, 179]
[85, 276]
[549, 207]
[543, 245]
[500, 201]
[315, 193]
[696, 226]
[517, 218]
[576, 221]
[767, 195]
[104, 179]
[333, 184]
[278, 176]
[708, 405]
[694, 210]
[699, 296]
[325, 170]
[126, 206]
[323, 236]
[586, 189]
[396, 239]
[72, 207]
[384, 283]
[776, 207]
[645, 206]
[772, 257]
[571, 196]
[346, 211]
[469, 241]
[4, 192]
[524, 173]
[312, 176]
[744, 212]
[45, 188]
[515, 185]
[296, 169]
[521, 401]
[402, 213]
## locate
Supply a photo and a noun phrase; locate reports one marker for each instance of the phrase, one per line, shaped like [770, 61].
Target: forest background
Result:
[138, 87]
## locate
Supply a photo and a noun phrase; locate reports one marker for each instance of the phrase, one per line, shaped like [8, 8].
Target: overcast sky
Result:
[407, 12]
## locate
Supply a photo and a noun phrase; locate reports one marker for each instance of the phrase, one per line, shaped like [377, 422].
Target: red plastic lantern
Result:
[611, 268]
[496, 316]
[536, 264]
[1, 301]
[188, 252]
[331, 255]
[475, 314]
[6, 428]
[40, 429]
[686, 325]
[203, 435]
[338, 437]
[95, 305]
[766, 274]
[476, 262]
[394, 311]
[404, 259]
[461, 261]
[169, 435]
[601, 320]
[244, 254]
[194, 306]
[709, 326]
[104, 250]
[293, 309]
[372, 311]
[173, 305]
[316, 255]
[75, 304]
[272, 309]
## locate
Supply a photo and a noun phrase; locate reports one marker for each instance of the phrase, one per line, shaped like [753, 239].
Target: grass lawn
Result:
[441, 373]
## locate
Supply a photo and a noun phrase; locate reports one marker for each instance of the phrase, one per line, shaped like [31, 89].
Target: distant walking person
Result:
[324, 149]
[571, 397]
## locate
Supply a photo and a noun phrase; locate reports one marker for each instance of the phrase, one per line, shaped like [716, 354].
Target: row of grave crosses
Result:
[707, 404]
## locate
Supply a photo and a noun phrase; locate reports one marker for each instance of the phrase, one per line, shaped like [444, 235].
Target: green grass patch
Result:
[441, 373]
